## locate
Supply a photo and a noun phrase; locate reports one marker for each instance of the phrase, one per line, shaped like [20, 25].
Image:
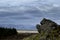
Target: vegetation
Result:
[48, 30]
[7, 31]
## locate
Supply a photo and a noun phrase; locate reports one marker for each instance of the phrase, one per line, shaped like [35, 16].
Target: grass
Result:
[33, 37]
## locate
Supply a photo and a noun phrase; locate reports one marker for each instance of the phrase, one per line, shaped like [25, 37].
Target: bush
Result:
[49, 30]
[7, 31]
[38, 28]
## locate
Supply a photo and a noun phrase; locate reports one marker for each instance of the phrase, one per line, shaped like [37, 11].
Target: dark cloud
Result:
[7, 14]
[20, 18]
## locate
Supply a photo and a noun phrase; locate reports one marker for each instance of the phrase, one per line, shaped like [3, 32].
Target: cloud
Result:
[28, 12]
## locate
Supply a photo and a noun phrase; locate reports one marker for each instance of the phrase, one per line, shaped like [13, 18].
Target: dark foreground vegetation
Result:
[18, 36]
[11, 34]
[6, 32]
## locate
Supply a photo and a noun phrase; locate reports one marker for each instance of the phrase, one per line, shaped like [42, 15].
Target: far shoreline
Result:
[27, 31]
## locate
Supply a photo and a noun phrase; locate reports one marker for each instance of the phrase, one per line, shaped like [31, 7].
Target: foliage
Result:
[48, 30]
[7, 31]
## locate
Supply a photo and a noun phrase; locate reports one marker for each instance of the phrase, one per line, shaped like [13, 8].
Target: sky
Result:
[25, 14]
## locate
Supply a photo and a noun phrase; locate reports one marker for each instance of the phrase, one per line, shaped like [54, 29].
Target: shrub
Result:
[7, 31]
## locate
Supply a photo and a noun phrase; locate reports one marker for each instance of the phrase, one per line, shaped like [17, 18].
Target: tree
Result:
[38, 28]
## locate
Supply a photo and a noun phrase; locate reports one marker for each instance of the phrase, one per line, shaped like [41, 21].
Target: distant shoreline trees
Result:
[7, 31]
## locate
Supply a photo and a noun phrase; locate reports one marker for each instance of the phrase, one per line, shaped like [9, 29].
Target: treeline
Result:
[7, 31]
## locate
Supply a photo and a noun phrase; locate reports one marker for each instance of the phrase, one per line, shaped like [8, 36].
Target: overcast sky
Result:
[28, 12]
